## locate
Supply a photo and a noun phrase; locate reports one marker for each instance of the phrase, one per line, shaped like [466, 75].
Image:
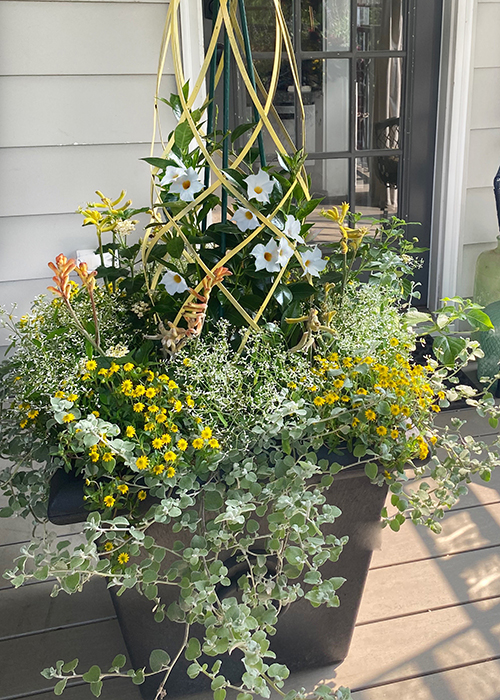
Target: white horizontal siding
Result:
[97, 109]
[486, 98]
[480, 224]
[80, 38]
[484, 156]
[487, 47]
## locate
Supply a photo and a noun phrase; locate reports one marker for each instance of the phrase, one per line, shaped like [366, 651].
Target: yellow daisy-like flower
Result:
[122, 488]
[33, 414]
[345, 399]
[198, 419]
[161, 418]
[187, 362]
[59, 394]
[68, 418]
[139, 390]
[355, 422]
[441, 395]
[331, 398]
[107, 457]
[159, 469]
[175, 429]
[394, 342]
[291, 385]
[114, 368]
[435, 408]
[109, 501]
[90, 365]
[178, 406]
[157, 443]
[319, 401]
[85, 377]
[170, 472]
[23, 423]
[362, 392]
[130, 431]
[206, 433]
[153, 408]
[189, 401]
[405, 411]
[142, 495]
[182, 444]
[123, 558]
[142, 462]
[170, 456]
[163, 378]
[96, 414]
[381, 430]
[72, 397]
[108, 546]
[94, 456]
[433, 439]
[128, 367]
[172, 385]
[127, 387]
[150, 376]
[370, 415]
[103, 372]
[395, 410]
[149, 427]
[138, 407]
[394, 434]
[214, 443]
[151, 392]
[198, 443]
[166, 439]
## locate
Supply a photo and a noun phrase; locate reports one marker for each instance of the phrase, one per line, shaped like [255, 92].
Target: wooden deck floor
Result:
[428, 628]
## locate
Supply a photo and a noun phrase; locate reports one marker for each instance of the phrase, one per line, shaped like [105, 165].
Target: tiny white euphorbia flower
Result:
[187, 185]
[313, 262]
[174, 283]
[266, 257]
[259, 186]
[172, 173]
[285, 252]
[292, 229]
[245, 220]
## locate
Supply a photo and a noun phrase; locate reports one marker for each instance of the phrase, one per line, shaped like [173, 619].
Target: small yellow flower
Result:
[33, 414]
[206, 433]
[72, 397]
[331, 398]
[150, 376]
[319, 401]
[435, 408]
[103, 372]
[381, 430]
[138, 407]
[109, 501]
[433, 439]
[85, 377]
[142, 462]
[214, 443]
[141, 495]
[23, 423]
[107, 457]
[189, 401]
[172, 385]
[123, 558]
[122, 488]
[161, 418]
[153, 409]
[163, 378]
[151, 392]
[198, 443]
[114, 368]
[108, 546]
[182, 444]
[394, 342]
[157, 443]
[139, 390]
[441, 395]
[405, 411]
[59, 394]
[355, 422]
[91, 365]
[166, 439]
[291, 385]
[68, 418]
[127, 387]
[130, 431]
[370, 415]
[178, 406]
[94, 456]
[170, 456]
[361, 392]
[149, 427]
[159, 469]
[395, 410]
[187, 362]
[170, 472]
[128, 367]
[394, 434]
[174, 428]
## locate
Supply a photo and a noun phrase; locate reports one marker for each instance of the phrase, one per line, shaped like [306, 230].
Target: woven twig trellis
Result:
[229, 20]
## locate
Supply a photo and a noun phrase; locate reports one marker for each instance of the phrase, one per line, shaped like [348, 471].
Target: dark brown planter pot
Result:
[306, 637]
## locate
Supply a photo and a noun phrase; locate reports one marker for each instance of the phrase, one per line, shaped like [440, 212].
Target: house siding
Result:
[480, 226]
[77, 80]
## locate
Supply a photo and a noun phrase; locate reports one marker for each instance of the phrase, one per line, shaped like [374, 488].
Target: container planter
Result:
[306, 637]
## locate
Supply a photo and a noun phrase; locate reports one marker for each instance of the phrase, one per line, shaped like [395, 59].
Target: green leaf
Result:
[308, 208]
[447, 349]
[183, 136]
[241, 129]
[92, 675]
[193, 649]
[220, 694]
[138, 677]
[6, 512]
[283, 294]
[213, 500]
[96, 688]
[479, 320]
[294, 555]
[175, 247]
[70, 666]
[359, 450]
[119, 661]
[371, 470]
[158, 660]
[160, 163]
[193, 671]
[394, 525]
[301, 290]
[59, 687]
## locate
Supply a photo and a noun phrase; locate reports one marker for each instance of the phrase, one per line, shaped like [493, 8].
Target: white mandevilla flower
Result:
[259, 186]
[174, 283]
[313, 262]
[292, 229]
[187, 185]
[245, 220]
[266, 257]
[285, 252]
[172, 174]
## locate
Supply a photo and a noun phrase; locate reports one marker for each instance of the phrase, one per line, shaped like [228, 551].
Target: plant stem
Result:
[161, 692]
